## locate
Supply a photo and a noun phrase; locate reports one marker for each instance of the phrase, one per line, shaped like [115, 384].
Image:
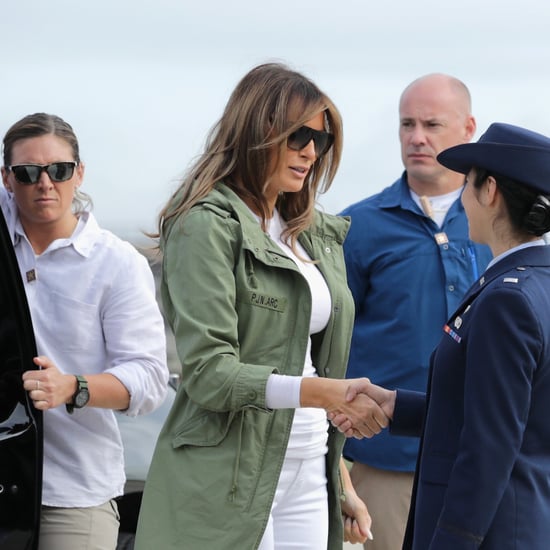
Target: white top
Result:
[308, 436]
[436, 207]
[94, 310]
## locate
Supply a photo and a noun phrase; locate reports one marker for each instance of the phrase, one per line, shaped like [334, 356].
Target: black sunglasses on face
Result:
[322, 141]
[28, 174]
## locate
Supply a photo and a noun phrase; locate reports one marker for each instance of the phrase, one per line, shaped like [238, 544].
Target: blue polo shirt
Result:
[407, 276]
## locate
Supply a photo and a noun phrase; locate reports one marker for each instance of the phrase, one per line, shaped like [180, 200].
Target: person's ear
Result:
[80, 169]
[489, 192]
[470, 128]
[7, 184]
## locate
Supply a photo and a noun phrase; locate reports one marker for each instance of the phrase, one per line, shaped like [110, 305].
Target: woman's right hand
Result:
[361, 414]
[361, 425]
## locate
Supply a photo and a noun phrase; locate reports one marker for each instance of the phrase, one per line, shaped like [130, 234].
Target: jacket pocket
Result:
[205, 430]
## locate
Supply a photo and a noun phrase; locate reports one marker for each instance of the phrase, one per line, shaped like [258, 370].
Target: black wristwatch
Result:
[81, 395]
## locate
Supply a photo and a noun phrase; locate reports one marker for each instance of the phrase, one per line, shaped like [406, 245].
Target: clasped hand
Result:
[366, 410]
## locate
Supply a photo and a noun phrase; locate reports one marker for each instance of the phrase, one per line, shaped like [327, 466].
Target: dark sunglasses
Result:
[322, 141]
[28, 174]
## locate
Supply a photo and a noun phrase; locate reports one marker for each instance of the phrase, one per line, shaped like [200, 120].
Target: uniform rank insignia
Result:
[452, 333]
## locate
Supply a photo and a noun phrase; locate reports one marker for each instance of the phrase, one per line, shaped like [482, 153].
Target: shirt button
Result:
[328, 250]
[252, 395]
[445, 246]
[451, 288]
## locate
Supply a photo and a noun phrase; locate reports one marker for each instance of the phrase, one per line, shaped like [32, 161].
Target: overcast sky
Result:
[142, 82]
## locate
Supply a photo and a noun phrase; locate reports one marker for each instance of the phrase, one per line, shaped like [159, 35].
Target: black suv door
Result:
[20, 422]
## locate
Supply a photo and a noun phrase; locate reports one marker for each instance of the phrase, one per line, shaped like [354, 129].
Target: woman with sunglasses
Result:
[98, 329]
[254, 286]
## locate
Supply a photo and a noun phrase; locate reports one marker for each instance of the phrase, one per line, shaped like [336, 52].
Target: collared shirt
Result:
[407, 275]
[538, 242]
[93, 308]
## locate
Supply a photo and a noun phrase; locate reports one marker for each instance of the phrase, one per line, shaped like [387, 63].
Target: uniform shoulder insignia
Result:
[510, 280]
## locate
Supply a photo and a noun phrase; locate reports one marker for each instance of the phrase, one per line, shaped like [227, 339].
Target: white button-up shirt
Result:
[93, 307]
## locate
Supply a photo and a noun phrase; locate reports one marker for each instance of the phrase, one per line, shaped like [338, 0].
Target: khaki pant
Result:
[387, 495]
[94, 528]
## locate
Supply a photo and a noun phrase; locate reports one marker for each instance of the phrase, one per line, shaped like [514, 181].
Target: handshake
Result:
[357, 407]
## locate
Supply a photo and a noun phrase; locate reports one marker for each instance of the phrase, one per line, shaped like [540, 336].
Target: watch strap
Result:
[81, 384]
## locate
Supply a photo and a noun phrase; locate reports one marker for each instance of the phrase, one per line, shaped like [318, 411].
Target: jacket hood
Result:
[227, 202]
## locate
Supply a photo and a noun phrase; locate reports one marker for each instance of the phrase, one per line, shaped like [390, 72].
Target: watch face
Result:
[81, 398]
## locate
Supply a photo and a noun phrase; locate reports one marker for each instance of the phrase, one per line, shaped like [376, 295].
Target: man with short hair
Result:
[409, 262]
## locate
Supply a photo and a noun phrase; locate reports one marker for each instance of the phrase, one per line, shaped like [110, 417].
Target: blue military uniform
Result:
[483, 475]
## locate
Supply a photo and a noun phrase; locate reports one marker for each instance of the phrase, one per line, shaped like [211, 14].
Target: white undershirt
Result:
[308, 436]
[438, 206]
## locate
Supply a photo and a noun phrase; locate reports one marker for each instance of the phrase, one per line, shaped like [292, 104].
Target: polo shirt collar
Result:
[82, 240]
[398, 196]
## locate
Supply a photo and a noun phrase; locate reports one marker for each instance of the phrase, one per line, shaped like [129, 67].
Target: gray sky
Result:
[143, 81]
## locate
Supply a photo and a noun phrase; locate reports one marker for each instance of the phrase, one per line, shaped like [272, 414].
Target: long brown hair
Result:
[268, 104]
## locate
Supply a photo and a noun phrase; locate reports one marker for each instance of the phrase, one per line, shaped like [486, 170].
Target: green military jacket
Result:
[240, 311]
